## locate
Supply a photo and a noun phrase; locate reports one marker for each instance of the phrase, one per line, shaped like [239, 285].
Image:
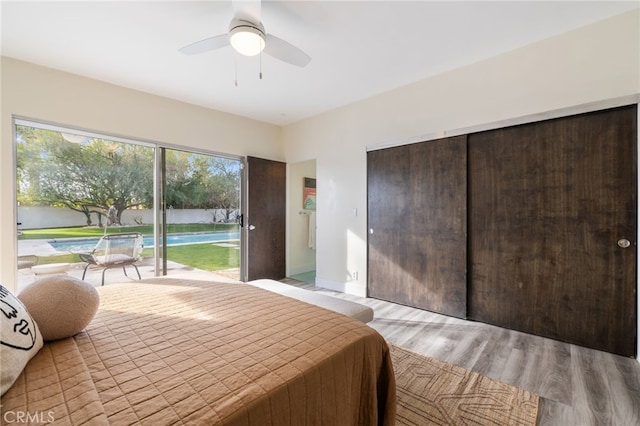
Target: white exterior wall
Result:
[59, 217]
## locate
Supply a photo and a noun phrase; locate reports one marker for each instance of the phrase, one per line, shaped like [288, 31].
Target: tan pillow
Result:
[61, 305]
[20, 338]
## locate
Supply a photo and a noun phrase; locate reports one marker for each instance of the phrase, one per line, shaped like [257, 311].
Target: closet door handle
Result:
[624, 243]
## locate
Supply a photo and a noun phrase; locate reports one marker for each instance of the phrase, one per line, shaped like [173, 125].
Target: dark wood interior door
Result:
[265, 219]
[552, 205]
[417, 225]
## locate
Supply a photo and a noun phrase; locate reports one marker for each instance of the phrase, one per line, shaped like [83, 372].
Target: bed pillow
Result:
[61, 305]
[20, 338]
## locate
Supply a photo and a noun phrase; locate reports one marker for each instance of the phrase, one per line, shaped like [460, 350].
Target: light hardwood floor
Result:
[576, 385]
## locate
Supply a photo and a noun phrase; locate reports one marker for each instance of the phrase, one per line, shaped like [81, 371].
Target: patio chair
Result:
[113, 251]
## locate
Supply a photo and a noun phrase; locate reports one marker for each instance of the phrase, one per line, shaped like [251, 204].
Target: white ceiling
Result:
[358, 48]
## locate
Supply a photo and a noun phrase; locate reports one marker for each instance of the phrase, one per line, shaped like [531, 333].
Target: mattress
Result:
[166, 351]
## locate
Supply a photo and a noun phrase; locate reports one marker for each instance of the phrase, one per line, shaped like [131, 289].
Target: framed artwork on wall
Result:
[309, 193]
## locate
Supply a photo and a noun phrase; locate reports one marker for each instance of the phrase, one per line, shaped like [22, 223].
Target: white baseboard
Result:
[357, 289]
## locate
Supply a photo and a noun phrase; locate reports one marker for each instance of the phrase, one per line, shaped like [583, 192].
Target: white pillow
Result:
[61, 305]
[20, 338]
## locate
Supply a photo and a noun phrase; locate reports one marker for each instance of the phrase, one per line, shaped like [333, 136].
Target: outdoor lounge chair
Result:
[113, 251]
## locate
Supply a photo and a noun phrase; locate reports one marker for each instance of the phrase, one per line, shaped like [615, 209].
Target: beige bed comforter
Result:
[168, 351]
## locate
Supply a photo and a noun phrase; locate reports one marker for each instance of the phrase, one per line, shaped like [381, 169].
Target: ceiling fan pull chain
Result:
[235, 57]
[261, 65]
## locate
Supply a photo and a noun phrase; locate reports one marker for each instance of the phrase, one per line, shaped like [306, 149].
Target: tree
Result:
[95, 175]
[224, 184]
[29, 147]
[178, 180]
[202, 181]
[88, 177]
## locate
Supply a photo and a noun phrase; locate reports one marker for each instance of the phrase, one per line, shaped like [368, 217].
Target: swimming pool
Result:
[85, 245]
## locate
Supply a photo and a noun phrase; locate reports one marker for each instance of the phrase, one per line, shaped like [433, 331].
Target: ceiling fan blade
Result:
[247, 10]
[205, 45]
[285, 51]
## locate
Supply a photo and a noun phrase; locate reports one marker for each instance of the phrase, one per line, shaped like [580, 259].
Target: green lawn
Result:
[207, 257]
[62, 258]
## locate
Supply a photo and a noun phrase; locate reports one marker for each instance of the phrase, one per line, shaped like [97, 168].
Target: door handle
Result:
[624, 243]
[251, 227]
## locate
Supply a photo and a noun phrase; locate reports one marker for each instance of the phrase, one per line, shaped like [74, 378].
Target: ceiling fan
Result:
[248, 37]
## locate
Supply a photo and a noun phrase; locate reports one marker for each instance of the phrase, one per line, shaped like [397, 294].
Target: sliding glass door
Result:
[200, 205]
[73, 188]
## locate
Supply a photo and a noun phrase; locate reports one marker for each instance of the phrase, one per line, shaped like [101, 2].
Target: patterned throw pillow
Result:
[20, 338]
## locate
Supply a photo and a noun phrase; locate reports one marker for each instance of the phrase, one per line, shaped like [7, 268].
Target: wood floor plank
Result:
[626, 405]
[577, 386]
[547, 371]
[552, 413]
[588, 387]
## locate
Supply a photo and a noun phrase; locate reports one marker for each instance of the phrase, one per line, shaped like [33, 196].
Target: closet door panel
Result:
[417, 222]
[548, 203]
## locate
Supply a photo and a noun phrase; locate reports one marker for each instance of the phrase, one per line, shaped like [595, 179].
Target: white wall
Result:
[593, 63]
[300, 258]
[45, 94]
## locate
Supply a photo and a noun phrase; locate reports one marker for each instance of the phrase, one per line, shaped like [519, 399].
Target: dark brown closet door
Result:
[266, 219]
[550, 203]
[417, 224]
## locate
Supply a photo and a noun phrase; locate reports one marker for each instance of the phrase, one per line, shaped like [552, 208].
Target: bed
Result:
[168, 351]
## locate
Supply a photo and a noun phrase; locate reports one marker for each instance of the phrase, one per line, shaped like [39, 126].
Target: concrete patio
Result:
[116, 275]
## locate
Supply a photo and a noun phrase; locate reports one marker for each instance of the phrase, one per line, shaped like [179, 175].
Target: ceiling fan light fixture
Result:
[246, 38]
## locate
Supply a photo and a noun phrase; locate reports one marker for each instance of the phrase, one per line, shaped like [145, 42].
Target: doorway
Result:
[301, 242]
